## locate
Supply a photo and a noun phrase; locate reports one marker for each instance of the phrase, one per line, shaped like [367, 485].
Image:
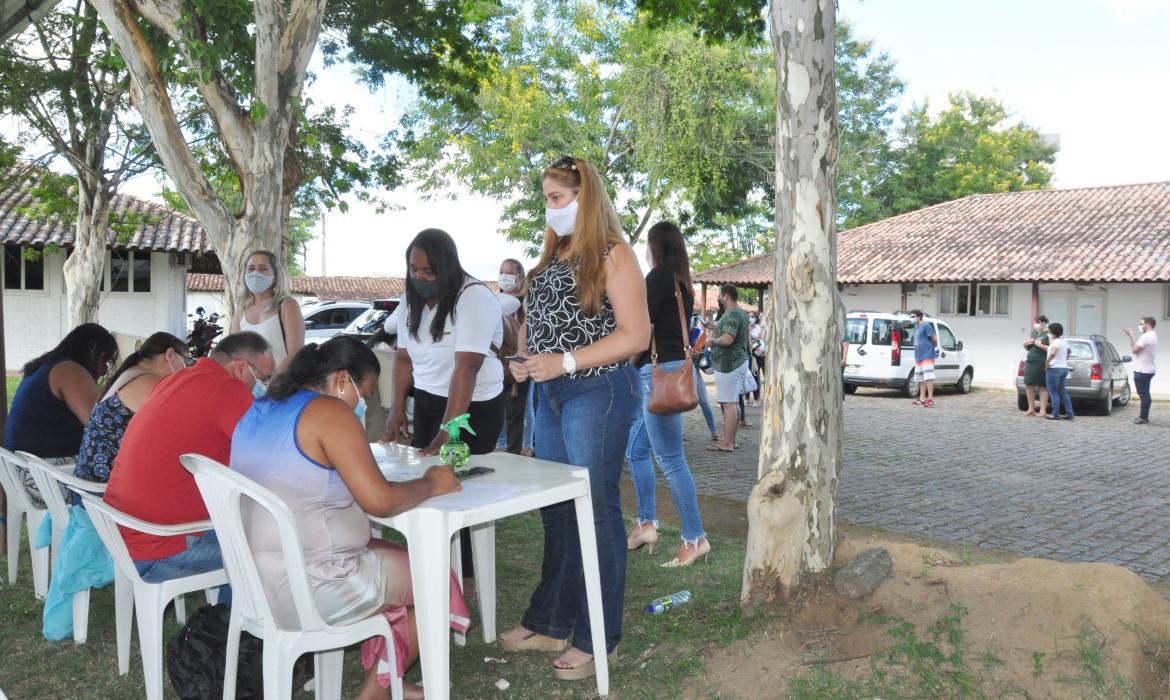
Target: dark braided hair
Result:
[152, 347]
[313, 364]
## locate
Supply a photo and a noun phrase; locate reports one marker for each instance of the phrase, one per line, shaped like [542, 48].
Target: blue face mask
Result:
[259, 389]
[360, 409]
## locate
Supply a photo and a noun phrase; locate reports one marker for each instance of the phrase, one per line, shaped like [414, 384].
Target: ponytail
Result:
[152, 347]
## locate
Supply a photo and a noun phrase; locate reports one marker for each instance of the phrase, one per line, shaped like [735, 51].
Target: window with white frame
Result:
[127, 271]
[954, 299]
[21, 272]
[992, 300]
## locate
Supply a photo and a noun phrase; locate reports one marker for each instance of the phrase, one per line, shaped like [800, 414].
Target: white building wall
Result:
[997, 341]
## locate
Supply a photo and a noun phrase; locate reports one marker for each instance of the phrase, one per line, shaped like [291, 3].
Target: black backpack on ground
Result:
[196, 657]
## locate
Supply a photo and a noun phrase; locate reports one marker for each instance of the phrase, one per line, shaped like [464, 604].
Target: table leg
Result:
[483, 547]
[593, 590]
[430, 574]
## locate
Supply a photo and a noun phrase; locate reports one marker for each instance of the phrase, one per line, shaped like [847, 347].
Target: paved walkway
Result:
[972, 470]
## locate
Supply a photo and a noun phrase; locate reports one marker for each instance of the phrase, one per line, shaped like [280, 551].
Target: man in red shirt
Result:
[195, 410]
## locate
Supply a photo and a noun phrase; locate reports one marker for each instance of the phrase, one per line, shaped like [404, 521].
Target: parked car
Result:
[325, 319]
[881, 354]
[1097, 374]
[364, 326]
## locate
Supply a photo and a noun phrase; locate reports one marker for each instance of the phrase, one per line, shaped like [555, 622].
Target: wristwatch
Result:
[568, 363]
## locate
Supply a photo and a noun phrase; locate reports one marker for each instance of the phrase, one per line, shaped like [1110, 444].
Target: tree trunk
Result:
[791, 509]
[83, 269]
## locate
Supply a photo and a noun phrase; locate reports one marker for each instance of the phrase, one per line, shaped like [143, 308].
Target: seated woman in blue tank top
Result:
[303, 442]
[52, 405]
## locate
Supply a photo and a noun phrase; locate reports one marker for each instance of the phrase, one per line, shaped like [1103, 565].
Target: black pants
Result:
[487, 420]
[515, 401]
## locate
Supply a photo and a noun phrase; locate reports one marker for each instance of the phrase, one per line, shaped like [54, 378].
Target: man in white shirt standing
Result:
[1145, 347]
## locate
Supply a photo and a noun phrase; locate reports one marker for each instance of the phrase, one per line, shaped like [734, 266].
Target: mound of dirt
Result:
[1032, 626]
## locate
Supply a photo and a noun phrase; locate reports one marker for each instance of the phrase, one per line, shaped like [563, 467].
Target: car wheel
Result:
[1022, 402]
[1105, 405]
[910, 388]
[1122, 398]
[850, 388]
[964, 385]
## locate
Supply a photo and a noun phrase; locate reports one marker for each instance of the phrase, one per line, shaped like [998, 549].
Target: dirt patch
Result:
[1034, 627]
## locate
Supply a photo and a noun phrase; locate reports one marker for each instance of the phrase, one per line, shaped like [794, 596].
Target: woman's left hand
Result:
[545, 367]
[433, 448]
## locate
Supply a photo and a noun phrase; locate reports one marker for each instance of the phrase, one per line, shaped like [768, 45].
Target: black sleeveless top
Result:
[555, 321]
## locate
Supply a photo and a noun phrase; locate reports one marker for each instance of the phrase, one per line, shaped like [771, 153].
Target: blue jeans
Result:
[586, 423]
[1057, 380]
[202, 555]
[662, 436]
[529, 418]
[1141, 384]
[705, 402]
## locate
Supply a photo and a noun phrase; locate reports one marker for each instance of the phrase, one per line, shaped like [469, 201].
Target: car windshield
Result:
[368, 322]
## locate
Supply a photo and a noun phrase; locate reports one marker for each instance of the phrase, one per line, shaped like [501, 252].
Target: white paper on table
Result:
[400, 473]
[474, 495]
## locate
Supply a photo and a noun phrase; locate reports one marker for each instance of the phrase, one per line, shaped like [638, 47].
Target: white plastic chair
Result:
[49, 480]
[150, 599]
[20, 505]
[224, 492]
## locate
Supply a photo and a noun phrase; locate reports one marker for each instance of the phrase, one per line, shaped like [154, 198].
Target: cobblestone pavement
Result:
[971, 470]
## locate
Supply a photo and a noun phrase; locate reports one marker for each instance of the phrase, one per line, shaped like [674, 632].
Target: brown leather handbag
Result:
[673, 392]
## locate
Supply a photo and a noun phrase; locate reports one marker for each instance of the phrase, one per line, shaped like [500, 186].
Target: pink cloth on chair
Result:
[374, 648]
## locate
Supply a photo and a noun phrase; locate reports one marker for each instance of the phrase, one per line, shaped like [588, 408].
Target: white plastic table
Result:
[429, 527]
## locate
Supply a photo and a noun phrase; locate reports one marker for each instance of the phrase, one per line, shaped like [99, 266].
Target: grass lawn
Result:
[660, 655]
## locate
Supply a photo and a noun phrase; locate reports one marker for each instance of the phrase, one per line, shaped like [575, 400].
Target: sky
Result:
[1094, 72]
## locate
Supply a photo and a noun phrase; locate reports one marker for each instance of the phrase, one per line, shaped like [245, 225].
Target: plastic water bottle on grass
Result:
[669, 602]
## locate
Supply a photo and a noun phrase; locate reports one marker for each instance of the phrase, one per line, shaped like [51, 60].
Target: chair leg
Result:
[150, 641]
[181, 609]
[327, 669]
[40, 556]
[278, 672]
[123, 619]
[15, 514]
[232, 658]
[81, 616]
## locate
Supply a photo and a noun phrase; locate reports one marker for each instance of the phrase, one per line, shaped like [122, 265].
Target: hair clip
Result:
[565, 163]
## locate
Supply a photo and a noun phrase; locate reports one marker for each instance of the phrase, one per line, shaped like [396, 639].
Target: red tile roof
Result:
[1093, 234]
[166, 230]
[325, 288]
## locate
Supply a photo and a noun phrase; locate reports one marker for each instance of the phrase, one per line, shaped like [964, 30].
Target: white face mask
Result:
[258, 282]
[507, 282]
[1035, 326]
[562, 221]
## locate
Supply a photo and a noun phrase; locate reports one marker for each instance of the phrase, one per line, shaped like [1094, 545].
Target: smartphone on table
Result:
[473, 471]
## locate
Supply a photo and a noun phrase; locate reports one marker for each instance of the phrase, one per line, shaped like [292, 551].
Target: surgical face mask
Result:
[259, 389]
[258, 282]
[752, 319]
[507, 282]
[360, 409]
[426, 289]
[1035, 326]
[562, 221]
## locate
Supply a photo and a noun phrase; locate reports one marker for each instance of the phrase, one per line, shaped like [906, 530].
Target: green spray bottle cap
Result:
[455, 452]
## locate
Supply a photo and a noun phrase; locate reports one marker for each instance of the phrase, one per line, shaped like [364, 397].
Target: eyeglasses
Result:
[260, 377]
[566, 163]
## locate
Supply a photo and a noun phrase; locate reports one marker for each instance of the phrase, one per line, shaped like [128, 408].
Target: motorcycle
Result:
[203, 333]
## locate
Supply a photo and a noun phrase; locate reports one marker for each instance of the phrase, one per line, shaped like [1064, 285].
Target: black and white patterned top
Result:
[555, 321]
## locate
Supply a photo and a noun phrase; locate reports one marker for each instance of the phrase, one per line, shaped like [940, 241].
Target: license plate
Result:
[852, 369]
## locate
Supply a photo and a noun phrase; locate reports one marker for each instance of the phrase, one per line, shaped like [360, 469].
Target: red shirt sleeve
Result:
[231, 403]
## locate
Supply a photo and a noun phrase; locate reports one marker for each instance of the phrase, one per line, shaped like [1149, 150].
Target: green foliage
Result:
[969, 148]
[717, 20]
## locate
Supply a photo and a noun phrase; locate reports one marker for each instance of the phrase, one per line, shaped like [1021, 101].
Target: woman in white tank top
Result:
[266, 308]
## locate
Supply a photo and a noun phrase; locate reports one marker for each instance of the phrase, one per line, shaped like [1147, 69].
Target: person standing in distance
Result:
[925, 350]
[1034, 379]
[728, 340]
[268, 308]
[1145, 347]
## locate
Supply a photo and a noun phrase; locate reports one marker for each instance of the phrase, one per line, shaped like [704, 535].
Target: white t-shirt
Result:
[1143, 360]
[1059, 349]
[476, 326]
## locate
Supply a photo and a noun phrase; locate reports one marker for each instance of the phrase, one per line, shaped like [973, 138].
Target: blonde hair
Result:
[280, 286]
[597, 229]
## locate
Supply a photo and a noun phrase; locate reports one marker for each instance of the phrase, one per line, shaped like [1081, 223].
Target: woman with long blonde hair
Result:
[585, 316]
[268, 308]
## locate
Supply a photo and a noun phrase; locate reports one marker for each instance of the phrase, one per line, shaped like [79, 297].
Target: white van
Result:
[881, 353]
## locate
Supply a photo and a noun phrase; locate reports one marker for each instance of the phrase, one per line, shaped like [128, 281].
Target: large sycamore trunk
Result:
[791, 508]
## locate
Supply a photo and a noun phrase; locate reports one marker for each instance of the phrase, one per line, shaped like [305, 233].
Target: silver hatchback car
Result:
[1097, 374]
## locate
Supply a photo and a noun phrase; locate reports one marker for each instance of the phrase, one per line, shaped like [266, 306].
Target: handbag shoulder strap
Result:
[682, 328]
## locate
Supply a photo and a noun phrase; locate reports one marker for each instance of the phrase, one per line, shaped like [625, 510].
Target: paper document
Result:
[474, 495]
